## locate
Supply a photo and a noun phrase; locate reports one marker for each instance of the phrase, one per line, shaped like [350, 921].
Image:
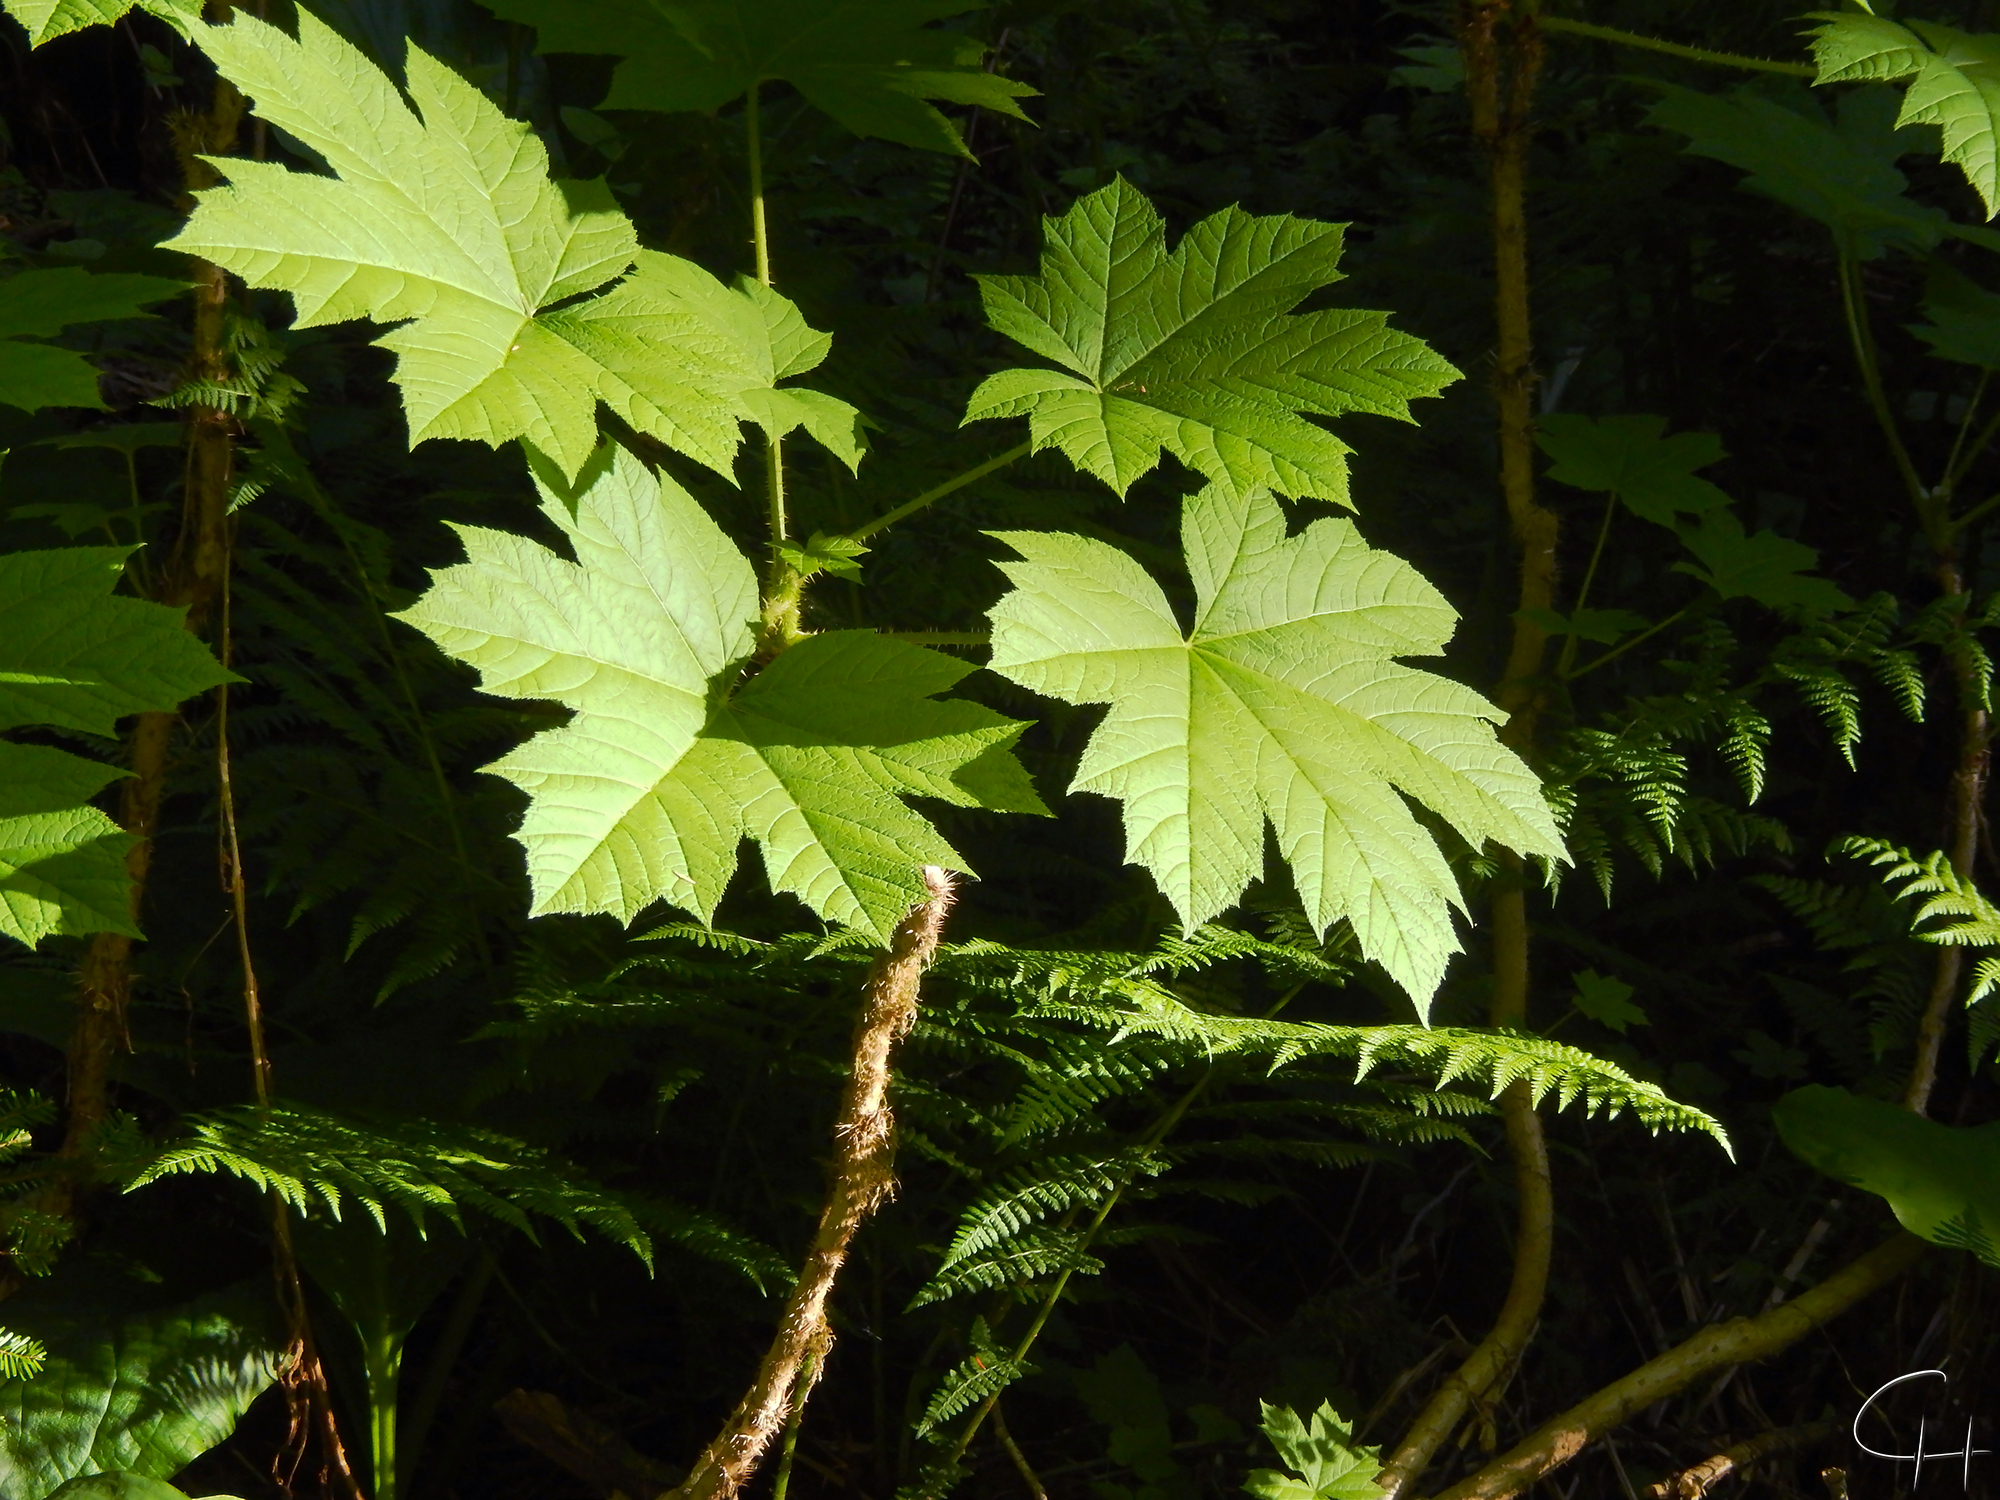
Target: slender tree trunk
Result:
[862, 1176]
[1500, 80]
[192, 580]
[1965, 814]
[1560, 1439]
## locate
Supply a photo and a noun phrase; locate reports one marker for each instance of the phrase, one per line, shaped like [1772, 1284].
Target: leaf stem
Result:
[1568, 657]
[931, 496]
[1862, 335]
[753, 125]
[940, 637]
[1708, 55]
[1622, 647]
[1951, 468]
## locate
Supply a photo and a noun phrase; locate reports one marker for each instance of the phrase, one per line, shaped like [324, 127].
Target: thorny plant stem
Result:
[1619, 38]
[784, 589]
[1500, 83]
[1561, 1438]
[950, 486]
[862, 1176]
[1697, 1480]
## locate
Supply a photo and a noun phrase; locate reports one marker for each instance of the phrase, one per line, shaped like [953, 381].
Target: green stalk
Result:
[1568, 657]
[784, 589]
[1862, 334]
[911, 507]
[382, 1359]
[792, 1420]
[1619, 38]
[1619, 650]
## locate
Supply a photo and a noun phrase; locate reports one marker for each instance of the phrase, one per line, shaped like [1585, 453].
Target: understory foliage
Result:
[531, 531]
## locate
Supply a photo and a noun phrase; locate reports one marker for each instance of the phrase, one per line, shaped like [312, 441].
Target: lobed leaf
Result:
[1284, 703]
[671, 761]
[444, 219]
[1196, 352]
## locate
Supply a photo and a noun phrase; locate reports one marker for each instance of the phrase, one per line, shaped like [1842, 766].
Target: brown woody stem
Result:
[1559, 1440]
[1500, 119]
[863, 1176]
[1695, 1481]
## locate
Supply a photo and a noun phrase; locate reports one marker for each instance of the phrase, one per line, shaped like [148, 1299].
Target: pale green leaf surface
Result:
[1322, 1455]
[869, 64]
[1953, 83]
[62, 862]
[1630, 457]
[45, 20]
[138, 1391]
[41, 303]
[445, 219]
[1607, 1000]
[1284, 703]
[648, 792]
[1842, 173]
[1195, 352]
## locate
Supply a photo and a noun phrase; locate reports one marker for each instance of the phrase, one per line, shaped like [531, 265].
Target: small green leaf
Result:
[1767, 1057]
[1607, 1001]
[62, 862]
[1766, 567]
[38, 304]
[1954, 83]
[449, 225]
[1964, 319]
[1323, 1458]
[1941, 1181]
[1630, 457]
[671, 761]
[870, 64]
[1285, 703]
[1195, 352]
[825, 554]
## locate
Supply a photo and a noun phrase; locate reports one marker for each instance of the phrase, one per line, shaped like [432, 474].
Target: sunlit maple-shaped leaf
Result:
[673, 756]
[445, 220]
[869, 64]
[1284, 703]
[1195, 351]
[1953, 83]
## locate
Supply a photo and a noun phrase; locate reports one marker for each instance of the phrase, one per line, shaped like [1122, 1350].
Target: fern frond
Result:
[21, 1358]
[1036, 1254]
[1970, 920]
[1052, 1186]
[983, 1373]
[417, 1166]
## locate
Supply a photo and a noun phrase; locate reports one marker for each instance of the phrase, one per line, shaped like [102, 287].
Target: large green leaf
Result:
[45, 20]
[1196, 351]
[670, 762]
[1842, 173]
[1964, 319]
[1954, 83]
[140, 1392]
[121, 1486]
[451, 222]
[74, 656]
[41, 303]
[1284, 701]
[1326, 1463]
[1941, 1181]
[870, 64]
